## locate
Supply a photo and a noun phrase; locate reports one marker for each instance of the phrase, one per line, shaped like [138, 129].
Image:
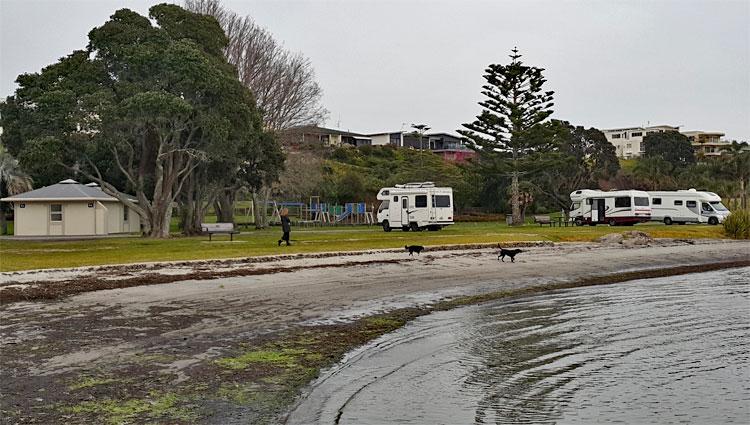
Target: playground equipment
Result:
[318, 213]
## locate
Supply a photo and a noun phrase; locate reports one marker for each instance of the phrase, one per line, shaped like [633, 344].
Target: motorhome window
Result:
[441, 201]
[656, 201]
[384, 205]
[622, 202]
[718, 206]
[641, 201]
[706, 207]
[420, 201]
[386, 192]
[395, 199]
[588, 202]
[55, 212]
[404, 203]
[678, 202]
[691, 204]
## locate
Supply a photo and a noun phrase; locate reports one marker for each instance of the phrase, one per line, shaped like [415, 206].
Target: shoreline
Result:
[240, 349]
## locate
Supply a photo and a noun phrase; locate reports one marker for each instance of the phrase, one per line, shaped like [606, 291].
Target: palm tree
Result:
[12, 181]
[738, 167]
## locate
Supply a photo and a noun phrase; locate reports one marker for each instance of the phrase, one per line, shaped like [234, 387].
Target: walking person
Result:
[286, 226]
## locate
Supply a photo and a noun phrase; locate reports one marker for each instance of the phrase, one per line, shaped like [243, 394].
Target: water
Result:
[669, 350]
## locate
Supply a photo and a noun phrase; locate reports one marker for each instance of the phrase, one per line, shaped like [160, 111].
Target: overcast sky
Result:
[386, 64]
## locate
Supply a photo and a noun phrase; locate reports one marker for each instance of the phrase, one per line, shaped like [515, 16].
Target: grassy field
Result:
[26, 255]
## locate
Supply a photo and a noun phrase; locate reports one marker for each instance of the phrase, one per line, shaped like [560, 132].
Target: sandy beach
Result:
[169, 330]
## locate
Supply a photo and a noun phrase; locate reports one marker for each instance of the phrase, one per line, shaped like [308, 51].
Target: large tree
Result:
[505, 133]
[151, 103]
[283, 82]
[579, 158]
[671, 146]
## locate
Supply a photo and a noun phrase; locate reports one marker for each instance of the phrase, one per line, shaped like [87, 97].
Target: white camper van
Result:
[616, 207]
[687, 206]
[415, 206]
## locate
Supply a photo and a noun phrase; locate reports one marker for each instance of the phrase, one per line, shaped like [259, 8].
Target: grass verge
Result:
[27, 255]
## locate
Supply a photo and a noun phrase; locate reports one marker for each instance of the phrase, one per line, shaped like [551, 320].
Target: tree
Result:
[580, 158]
[13, 180]
[670, 146]
[283, 83]
[150, 103]
[504, 133]
[738, 167]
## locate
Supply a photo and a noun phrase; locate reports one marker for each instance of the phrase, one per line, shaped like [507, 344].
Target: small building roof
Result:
[66, 190]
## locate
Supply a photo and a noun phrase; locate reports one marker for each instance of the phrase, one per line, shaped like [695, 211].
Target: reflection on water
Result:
[667, 350]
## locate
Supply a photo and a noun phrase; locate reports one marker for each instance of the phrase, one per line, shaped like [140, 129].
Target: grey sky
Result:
[386, 63]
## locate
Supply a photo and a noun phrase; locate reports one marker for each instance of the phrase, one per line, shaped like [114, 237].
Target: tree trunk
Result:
[224, 206]
[3, 222]
[743, 195]
[260, 199]
[515, 201]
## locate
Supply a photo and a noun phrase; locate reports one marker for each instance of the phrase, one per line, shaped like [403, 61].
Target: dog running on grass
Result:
[414, 248]
[509, 252]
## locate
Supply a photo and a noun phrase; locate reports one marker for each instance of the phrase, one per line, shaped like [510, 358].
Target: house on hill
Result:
[321, 136]
[69, 208]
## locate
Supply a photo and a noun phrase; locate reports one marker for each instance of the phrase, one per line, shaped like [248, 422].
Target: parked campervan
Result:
[687, 206]
[615, 207]
[415, 206]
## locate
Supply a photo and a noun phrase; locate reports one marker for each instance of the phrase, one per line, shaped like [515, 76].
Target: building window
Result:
[124, 213]
[91, 205]
[636, 134]
[615, 136]
[622, 202]
[420, 201]
[22, 206]
[656, 201]
[629, 146]
[678, 203]
[624, 135]
[55, 212]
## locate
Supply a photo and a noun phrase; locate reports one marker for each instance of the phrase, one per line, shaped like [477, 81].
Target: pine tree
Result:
[505, 133]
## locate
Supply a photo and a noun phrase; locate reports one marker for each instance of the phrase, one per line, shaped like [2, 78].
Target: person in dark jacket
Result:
[286, 226]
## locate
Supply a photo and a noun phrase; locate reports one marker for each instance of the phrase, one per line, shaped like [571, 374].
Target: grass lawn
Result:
[26, 255]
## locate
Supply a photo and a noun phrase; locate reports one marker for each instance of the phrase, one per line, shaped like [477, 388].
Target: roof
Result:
[313, 129]
[66, 190]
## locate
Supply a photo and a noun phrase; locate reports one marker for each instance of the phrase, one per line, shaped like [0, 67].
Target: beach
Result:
[171, 329]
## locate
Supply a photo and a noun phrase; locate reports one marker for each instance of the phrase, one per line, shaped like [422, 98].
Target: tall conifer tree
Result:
[505, 132]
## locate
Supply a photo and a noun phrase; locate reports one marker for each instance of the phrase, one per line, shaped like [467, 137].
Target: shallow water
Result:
[668, 350]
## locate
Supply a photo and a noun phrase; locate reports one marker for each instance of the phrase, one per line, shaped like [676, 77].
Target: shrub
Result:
[737, 225]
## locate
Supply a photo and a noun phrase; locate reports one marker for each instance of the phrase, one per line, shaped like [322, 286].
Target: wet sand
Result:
[47, 344]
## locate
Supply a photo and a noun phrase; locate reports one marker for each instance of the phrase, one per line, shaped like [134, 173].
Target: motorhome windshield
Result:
[718, 206]
[641, 201]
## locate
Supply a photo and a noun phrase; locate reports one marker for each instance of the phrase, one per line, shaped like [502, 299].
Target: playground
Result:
[314, 213]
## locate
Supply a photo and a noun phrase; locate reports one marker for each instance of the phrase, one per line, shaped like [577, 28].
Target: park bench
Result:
[543, 219]
[219, 228]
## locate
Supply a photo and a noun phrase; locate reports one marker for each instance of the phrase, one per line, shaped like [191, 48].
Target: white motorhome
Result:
[615, 207]
[687, 206]
[415, 206]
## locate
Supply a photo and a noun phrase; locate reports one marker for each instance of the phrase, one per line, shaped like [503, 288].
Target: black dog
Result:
[414, 248]
[510, 253]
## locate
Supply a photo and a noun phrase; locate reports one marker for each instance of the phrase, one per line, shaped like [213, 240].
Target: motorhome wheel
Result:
[713, 221]
[612, 222]
[579, 221]
[415, 227]
[404, 228]
[386, 226]
[667, 221]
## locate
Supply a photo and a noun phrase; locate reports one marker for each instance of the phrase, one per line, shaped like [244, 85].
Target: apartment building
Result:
[628, 142]
[707, 143]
